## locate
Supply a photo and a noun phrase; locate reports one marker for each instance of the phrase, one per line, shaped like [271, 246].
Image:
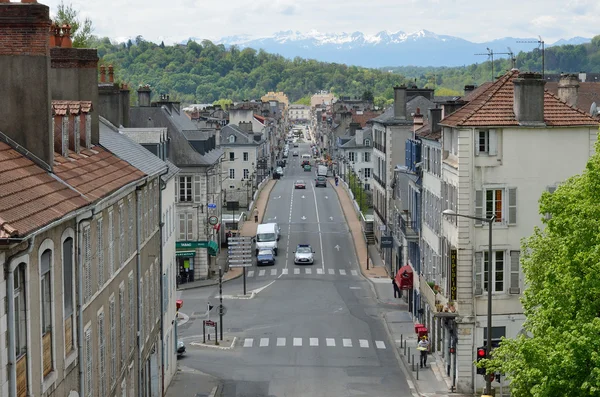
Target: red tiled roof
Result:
[494, 107]
[362, 119]
[259, 118]
[588, 93]
[30, 198]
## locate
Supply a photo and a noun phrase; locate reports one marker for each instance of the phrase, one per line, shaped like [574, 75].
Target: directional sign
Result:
[210, 323]
[240, 238]
[212, 205]
[239, 243]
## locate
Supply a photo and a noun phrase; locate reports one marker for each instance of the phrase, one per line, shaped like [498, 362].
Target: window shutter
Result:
[100, 252]
[197, 196]
[478, 206]
[102, 355]
[122, 326]
[87, 249]
[113, 342]
[425, 166]
[111, 244]
[515, 270]
[478, 273]
[177, 184]
[89, 392]
[477, 132]
[130, 210]
[190, 227]
[182, 233]
[512, 206]
[493, 143]
[550, 189]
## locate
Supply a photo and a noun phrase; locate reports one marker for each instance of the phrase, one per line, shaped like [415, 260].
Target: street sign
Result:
[240, 251]
[212, 205]
[213, 220]
[210, 323]
[240, 243]
[386, 242]
[240, 238]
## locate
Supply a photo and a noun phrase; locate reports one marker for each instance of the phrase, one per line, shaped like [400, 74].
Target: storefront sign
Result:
[453, 275]
[185, 254]
[191, 244]
[386, 242]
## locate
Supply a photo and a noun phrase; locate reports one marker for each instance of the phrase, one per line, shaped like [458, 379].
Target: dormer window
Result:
[231, 138]
[367, 142]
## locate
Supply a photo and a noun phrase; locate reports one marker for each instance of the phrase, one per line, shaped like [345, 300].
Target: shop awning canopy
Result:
[213, 248]
[404, 277]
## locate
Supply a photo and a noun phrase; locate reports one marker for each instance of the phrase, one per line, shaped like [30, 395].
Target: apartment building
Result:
[298, 113]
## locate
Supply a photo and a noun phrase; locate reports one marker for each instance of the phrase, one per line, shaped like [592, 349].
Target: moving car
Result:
[265, 257]
[322, 170]
[295, 153]
[295, 144]
[321, 181]
[267, 236]
[299, 184]
[180, 348]
[304, 254]
[307, 167]
[278, 173]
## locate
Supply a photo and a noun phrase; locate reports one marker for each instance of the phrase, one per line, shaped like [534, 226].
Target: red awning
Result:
[404, 277]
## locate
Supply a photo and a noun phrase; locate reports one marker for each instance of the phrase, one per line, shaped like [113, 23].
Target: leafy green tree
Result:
[443, 91]
[224, 103]
[367, 95]
[81, 32]
[305, 100]
[560, 355]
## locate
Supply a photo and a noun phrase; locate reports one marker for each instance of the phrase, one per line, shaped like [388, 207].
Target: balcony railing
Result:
[405, 226]
[379, 181]
[379, 146]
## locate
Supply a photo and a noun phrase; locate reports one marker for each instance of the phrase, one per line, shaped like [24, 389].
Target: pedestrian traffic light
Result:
[481, 354]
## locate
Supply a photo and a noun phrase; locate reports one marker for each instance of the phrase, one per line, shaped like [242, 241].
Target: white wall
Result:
[238, 115]
[239, 192]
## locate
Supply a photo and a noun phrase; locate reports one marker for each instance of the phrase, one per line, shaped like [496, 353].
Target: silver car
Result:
[304, 255]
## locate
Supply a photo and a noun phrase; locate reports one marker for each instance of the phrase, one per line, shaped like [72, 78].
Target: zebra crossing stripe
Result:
[363, 343]
[308, 271]
[331, 271]
[264, 342]
[296, 271]
[248, 342]
[273, 272]
[251, 273]
[354, 272]
[261, 273]
[280, 341]
[319, 271]
[330, 342]
[284, 271]
[342, 272]
[297, 341]
[380, 344]
[314, 341]
[347, 342]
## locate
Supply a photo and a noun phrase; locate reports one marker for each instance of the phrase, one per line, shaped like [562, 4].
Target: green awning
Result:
[213, 248]
[187, 254]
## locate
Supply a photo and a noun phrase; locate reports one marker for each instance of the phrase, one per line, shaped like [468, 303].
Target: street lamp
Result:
[360, 189]
[490, 273]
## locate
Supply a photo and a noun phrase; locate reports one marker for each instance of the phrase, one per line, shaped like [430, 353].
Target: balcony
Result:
[379, 181]
[379, 146]
[409, 233]
[438, 303]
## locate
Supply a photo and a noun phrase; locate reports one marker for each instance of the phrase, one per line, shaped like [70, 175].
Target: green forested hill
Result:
[205, 72]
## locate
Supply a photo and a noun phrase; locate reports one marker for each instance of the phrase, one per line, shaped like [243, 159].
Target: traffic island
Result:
[227, 343]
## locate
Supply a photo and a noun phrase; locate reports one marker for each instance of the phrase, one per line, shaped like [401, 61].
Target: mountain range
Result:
[422, 48]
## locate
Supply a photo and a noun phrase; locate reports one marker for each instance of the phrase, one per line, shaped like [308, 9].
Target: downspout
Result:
[162, 295]
[80, 298]
[138, 261]
[10, 329]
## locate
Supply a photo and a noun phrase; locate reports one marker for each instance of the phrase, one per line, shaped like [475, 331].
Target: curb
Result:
[216, 282]
[203, 345]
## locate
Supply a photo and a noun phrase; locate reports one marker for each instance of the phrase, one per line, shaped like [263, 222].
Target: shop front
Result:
[187, 253]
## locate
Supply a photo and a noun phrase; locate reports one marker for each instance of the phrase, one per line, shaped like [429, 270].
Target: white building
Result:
[298, 113]
[356, 150]
[500, 153]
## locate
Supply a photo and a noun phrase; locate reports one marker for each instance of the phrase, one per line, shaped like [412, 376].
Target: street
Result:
[308, 330]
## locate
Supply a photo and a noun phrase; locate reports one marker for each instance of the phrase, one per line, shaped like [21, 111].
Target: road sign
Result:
[212, 205]
[213, 220]
[240, 238]
[240, 251]
[210, 323]
[239, 243]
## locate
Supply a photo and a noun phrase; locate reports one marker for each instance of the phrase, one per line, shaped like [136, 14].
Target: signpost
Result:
[239, 250]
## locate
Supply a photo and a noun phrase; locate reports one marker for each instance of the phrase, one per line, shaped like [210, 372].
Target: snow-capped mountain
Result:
[421, 48]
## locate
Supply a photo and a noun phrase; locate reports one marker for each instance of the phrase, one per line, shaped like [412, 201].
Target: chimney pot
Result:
[57, 36]
[66, 39]
[111, 74]
[528, 98]
[102, 73]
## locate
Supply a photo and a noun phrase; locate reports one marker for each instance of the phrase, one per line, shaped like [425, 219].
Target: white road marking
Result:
[319, 227]
[297, 341]
[347, 342]
[330, 342]
[363, 343]
[248, 342]
[319, 271]
[273, 272]
[342, 272]
[380, 344]
[337, 247]
[303, 218]
[296, 271]
[264, 342]
[308, 271]
[331, 271]
[355, 288]
[261, 273]
[280, 341]
[284, 271]
[314, 341]
[251, 273]
[354, 272]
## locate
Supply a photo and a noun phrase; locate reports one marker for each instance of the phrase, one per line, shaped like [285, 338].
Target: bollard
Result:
[408, 355]
[413, 366]
[417, 372]
[413, 361]
[405, 348]
[401, 340]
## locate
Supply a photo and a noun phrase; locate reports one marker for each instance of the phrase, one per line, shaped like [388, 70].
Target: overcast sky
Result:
[473, 20]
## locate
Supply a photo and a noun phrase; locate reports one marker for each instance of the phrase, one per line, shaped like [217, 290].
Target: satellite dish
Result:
[594, 110]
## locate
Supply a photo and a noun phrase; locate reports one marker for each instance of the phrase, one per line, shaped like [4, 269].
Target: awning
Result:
[404, 277]
[213, 248]
[187, 254]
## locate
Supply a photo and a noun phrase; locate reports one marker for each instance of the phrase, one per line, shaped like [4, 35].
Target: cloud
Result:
[289, 10]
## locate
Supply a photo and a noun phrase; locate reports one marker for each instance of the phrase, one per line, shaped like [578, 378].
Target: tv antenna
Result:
[541, 44]
[491, 54]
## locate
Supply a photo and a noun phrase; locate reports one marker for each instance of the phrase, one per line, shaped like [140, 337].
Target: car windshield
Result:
[265, 237]
[321, 178]
[300, 182]
[303, 250]
[265, 252]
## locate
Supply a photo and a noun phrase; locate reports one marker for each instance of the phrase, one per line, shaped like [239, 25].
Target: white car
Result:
[304, 255]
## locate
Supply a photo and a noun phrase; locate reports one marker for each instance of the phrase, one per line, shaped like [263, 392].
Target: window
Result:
[185, 188]
[367, 187]
[101, 356]
[496, 203]
[366, 157]
[231, 173]
[231, 156]
[367, 172]
[122, 322]
[245, 156]
[486, 142]
[20, 311]
[497, 334]
[100, 252]
[122, 255]
[493, 204]
[113, 340]
[87, 264]
[246, 173]
[351, 156]
[231, 139]
[481, 271]
[67, 252]
[89, 382]
[111, 244]
[130, 292]
[367, 142]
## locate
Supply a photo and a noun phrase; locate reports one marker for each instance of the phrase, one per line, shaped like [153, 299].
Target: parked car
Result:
[180, 348]
[304, 254]
[299, 184]
[265, 257]
[278, 173]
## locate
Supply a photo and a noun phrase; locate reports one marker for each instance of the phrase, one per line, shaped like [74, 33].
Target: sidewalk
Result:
[248, 230]
[189, 382]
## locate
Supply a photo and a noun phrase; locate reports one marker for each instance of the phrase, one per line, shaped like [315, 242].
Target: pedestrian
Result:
[397, 291]
[423, 347]
[256, 215]
[337, 181]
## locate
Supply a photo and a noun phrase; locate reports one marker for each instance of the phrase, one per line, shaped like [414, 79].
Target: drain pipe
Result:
[161, 225]
[138, 261]
[78, 239]
[10, 329]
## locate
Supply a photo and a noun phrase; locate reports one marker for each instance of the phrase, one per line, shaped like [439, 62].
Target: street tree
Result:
[558, 352]
[81, 31]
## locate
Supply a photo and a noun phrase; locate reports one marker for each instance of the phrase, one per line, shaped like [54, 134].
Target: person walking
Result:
[256, 215]
[397, 291]
[423, 348]
[337, 181]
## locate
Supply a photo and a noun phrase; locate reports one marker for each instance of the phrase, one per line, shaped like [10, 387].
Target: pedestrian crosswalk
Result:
[313, 342]
[300, 270]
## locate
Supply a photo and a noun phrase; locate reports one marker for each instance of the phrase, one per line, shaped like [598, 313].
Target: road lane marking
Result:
[347, 342]
[314, 341]
[296, 271]
[248, 342]
[297, 341]
[331, 271]
[308, 271]
[380, 344]
[342, 272]
[261, 273]
[354, 272]
[284, 271]
[251, 273]
[319, 271]
[264, 342]
[273, 272]
[280, 341]
[319, 227]
[364, 343]
[330, 342]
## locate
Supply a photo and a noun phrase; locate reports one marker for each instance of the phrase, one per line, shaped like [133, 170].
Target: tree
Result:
[367, 95]
[305, 100]
[81, 33]
[224, 103]
[559, 356]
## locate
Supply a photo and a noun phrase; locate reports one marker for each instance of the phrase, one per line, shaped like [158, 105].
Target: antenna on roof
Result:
[541, 44]
[490, 54]
[513, 60]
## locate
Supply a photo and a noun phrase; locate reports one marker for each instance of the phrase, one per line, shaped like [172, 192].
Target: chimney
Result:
[102, 74]
[400, 102]
[568, 88]
[144, 94]
[111, 74]
[25, 86]
[435, 116]
[528, 102]
[353, 127]
[125, 105]
[418, 119]
[469, 88]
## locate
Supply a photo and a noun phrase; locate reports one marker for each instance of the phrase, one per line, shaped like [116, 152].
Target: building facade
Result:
[298, 113]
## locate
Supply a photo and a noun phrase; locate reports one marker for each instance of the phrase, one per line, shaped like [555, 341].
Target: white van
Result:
[267, 236]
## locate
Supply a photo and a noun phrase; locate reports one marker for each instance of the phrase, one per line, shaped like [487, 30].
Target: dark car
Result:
[321, 181]
[265, 257]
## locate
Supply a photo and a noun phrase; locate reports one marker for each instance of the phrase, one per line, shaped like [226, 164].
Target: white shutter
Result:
[113, 341]
[101, 356]
[190, 227]
[492, 143]
[132, 312]
[141, 300]
[550, 189]
[100, 252]
[478, 273]
[122, 323]
[182, 233]
[122, 254]
[512, 206]
[131, 218]
[111, 244]
[479, 206]
[477, 142]
[197, 190]
[87, 265]
[177, 183]
[515, 270]
[89, 390]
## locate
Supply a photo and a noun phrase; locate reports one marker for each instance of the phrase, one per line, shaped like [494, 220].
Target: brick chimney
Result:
[468, 89]
[568, 88]
[353, 127]
[400, 102]
[144, 95]
[528, 102]
[25, 85]
[418, 119]
[435, 116]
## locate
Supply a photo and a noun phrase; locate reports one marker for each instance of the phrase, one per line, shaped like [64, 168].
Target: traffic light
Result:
[481, 354]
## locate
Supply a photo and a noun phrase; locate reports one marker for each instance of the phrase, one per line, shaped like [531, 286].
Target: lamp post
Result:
[360, 189]
[490, 273]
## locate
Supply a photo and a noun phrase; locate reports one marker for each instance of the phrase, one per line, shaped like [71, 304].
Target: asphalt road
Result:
[310, 330]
